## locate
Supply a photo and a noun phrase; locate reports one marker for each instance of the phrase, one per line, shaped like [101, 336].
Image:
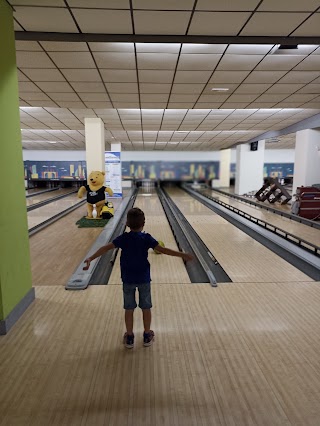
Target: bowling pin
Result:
[94, 212]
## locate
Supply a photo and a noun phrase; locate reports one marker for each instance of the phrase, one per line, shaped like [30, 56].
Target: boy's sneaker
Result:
[148, 338]
[128, 340]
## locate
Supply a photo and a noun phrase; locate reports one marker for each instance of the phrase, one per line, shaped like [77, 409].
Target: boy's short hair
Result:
[135, 218]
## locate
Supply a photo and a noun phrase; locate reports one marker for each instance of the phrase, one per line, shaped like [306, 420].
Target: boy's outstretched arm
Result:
[98, 253]
[165, 250]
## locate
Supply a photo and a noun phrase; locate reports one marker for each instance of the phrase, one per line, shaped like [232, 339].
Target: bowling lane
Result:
[305, 232]
[243, 258]
[57, 250]
[47, 195]
[37, 216]
[164, 269]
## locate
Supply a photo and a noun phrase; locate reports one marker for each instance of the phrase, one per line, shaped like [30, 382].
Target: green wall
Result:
[15, 271]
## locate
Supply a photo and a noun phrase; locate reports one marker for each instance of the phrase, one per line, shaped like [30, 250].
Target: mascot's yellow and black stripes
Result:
[107, 211]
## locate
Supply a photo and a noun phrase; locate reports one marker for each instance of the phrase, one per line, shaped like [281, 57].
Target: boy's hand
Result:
[87, 261]
[187, 256]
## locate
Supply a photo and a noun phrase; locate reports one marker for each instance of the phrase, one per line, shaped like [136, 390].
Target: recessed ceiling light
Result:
[52, 142]
[220, 89]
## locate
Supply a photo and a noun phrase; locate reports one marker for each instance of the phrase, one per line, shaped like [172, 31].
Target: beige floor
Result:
[239, 355]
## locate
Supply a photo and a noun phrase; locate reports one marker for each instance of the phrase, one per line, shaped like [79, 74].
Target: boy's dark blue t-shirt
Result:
[135, 268]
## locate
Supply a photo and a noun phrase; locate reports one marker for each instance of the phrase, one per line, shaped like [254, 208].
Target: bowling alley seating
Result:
[308, 202]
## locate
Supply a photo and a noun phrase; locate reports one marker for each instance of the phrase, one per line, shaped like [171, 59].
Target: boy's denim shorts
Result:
[129, 296]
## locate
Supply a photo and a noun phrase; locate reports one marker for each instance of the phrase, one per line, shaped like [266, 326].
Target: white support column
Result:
[225, 158]
[95, 144]
[307, 159]
[249, 168]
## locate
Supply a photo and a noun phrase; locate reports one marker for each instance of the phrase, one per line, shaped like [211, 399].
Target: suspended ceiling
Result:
[158, 96]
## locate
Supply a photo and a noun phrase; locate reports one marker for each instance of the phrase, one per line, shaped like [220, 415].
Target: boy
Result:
[135, 272]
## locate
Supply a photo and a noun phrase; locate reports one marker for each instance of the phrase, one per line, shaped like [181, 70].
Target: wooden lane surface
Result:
[37, 216]
[57, 250]
[164, 269]
[305, 232]
[238, 355]
[243, 258]
[47, 195]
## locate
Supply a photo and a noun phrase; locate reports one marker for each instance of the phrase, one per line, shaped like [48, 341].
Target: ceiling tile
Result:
[310, 63]
[159, 22]
[299, 77]
[46, 19]
[56, 96]
[259, 24]
[203, 48]
[284, 88]
[252, 88]
[217, 23]
[158, 47]
[188, 88]
[21, 76]
[272, 97]
[115, 60]
[309, 28]
[310, 88]
[279, 62]
[264, 76]
[289, 5]
[112, 47]
[97, 104]
[94, 97]
[192, 76]
[104, 21]
[32, 59]
[72, 59]
[249, 49]
[155, 88]
[148, 97]
[90, 87]
[122, 97]
[27, 45]
[155, 76]
[54, 86]
[43, 74]
[82, 75]
[27, 86]
[16, 26]
[232, 5]
[154, 61]
[198, 61]
[101, 4]
[122, 87]
[239, 62]
[163, 5]
[58, 46]
[34, 96]
[242, 98]
[301, 97]
[58, 3]
[70, 104]
[118, 76]
[228, 76]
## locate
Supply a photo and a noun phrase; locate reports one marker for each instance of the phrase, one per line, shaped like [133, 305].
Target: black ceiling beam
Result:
[147, 38]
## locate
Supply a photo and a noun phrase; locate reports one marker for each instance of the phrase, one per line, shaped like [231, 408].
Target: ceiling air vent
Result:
[286, 49]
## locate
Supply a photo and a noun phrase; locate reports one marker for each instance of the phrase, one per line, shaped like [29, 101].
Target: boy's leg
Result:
[129, 304]
[145, 304]
[146, 313]
[128, 317]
